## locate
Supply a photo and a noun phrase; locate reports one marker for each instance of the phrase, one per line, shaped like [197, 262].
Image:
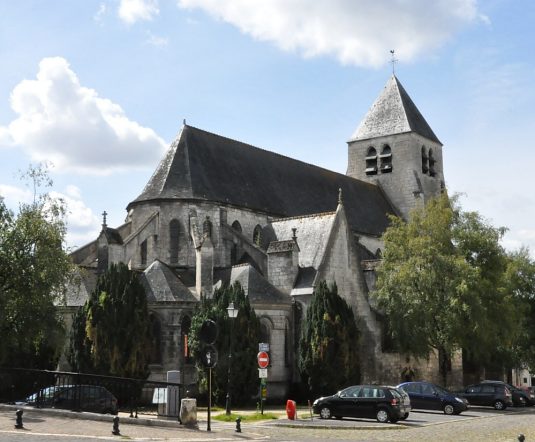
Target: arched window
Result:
[143, 253]
[257, 235]
[185, 326]
[431, 163]
[371, 161]
[425, 163]
[156, 333]
[174, 233]
[207, 227]
[236, 226]
[386, 159]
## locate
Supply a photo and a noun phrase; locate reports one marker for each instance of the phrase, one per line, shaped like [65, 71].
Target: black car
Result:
[369, 401]
[530, 394]
[495, 395]
[520, 397]
[91, 398]
[428, 396]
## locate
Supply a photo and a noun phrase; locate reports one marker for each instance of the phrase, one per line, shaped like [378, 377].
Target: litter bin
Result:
[290, 409]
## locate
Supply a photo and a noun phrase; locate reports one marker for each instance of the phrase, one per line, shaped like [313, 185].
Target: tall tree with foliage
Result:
[246, 336]
[34, 270]
[111, 334]
[441, 284]
[328, 356]
[520, 282]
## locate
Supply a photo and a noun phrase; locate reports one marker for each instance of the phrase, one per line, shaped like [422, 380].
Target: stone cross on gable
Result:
[104, 214]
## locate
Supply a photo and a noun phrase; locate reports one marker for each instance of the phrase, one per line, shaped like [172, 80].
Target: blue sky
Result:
[100, 88]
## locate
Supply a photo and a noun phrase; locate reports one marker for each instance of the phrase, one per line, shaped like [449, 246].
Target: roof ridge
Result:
[290, 218]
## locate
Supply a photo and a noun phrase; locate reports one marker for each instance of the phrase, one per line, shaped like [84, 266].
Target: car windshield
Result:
[395, 393]
[44, 393]
[441, 390]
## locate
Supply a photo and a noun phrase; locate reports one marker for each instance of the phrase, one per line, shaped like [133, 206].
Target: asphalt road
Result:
[473, 425]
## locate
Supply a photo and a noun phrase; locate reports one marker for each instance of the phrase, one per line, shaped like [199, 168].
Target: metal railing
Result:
[89, 392]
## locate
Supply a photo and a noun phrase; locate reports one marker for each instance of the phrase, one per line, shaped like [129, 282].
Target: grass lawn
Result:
[246, 417]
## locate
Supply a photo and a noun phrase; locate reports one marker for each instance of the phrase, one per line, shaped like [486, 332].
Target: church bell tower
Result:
[394, 148]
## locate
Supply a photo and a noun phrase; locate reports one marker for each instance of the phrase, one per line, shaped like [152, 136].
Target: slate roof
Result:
[392, 113]
[312, 234]
[256, 287]
[113, 235]
[162, 284]
[204, 166]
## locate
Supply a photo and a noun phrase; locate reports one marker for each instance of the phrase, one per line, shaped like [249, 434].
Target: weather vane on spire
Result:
[393, 60]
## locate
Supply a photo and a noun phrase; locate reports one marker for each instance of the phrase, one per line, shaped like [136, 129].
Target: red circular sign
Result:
[263, 359]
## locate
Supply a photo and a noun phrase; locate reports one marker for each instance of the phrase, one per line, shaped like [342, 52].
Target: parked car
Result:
[428, 396]
[530, 394]
[496, 395]
[91, 398]
[406, 401]
[42, 398]
[520, 397]
[369, 401]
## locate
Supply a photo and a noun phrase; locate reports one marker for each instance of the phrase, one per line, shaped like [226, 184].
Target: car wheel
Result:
[448, 409]
[405, 416]
[499, 405]
[325, 413]
[382, 416]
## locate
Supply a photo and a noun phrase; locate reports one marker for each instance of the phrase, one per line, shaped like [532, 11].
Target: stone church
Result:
[217, 211]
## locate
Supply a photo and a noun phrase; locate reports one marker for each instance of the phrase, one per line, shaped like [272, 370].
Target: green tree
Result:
[111, 333]
[441, 284]
[34, 270]
[328, 356]
[246, 336]
[520, 282]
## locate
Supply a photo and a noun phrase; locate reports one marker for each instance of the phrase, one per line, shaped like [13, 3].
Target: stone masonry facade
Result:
[217, 211]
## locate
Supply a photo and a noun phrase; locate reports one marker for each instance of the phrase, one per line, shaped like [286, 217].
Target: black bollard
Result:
[115, 430]
[521, 438]
[238, 425]
[18, 420]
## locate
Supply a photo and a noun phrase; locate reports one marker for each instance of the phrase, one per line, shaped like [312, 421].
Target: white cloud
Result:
[83, 225]
[131, 11]
[61, 121]
[154, 40]
[99, 15]
[357, 32]
[14, 195]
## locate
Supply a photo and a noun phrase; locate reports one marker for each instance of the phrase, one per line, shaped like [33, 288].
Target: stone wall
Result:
[406, 186]
[181, 211]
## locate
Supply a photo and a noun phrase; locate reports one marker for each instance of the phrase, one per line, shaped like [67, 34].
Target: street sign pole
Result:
[208, 428]
[260, 396]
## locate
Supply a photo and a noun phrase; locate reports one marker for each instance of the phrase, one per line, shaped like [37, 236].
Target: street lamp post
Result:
[232, 313]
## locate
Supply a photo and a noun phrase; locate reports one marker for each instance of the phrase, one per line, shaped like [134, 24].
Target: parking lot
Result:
[477, 424]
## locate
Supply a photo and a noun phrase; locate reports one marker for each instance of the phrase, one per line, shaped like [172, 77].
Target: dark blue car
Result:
[428, 396]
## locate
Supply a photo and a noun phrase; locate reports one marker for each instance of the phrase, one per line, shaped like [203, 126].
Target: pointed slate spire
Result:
[393, 113]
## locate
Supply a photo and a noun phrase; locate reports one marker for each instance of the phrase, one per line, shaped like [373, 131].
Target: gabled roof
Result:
[256, 287]
[313, 232]
[162, 284]
[204, 166]
[393, 113]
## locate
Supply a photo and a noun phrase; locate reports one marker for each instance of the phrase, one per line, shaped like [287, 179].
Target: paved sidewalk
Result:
[65, 424]
[146, 427]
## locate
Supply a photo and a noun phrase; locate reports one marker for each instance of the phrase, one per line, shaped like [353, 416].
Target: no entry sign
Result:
[263, 359]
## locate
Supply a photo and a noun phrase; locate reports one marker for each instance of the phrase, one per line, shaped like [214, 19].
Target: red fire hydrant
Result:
[290, 409]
